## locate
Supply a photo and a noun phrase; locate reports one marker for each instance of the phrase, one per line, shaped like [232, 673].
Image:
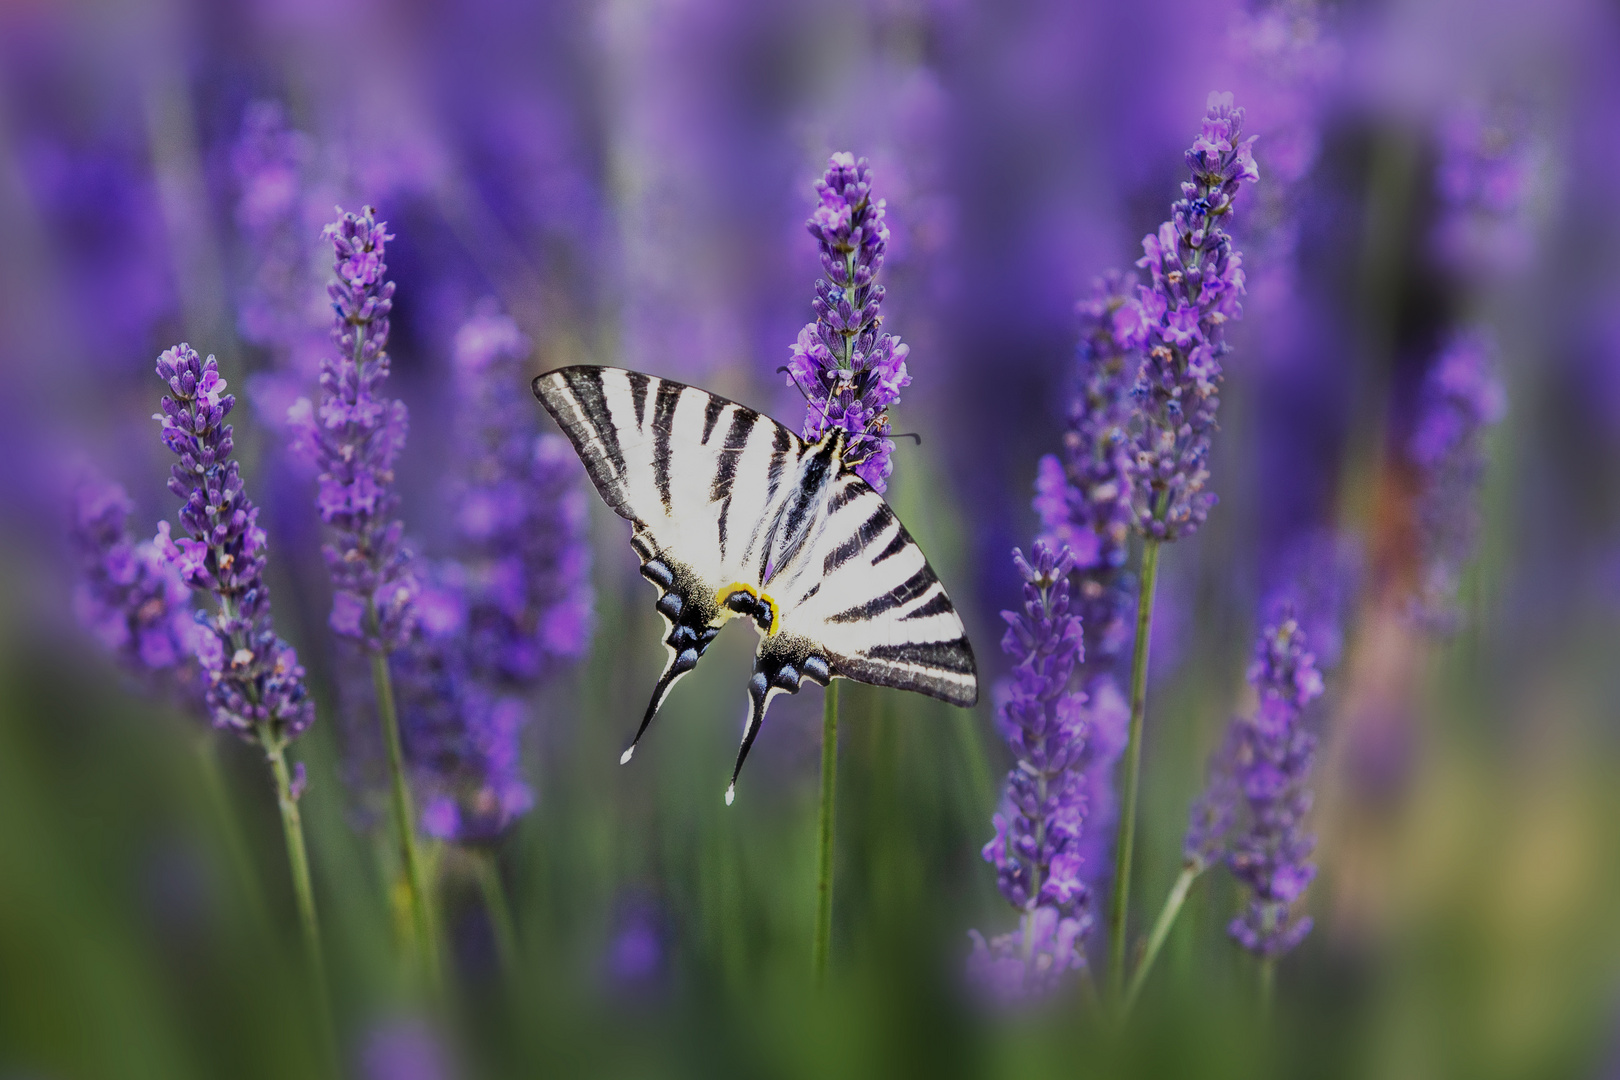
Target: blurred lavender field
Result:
[1382, 681]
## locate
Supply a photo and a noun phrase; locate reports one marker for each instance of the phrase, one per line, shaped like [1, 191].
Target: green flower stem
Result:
[824, 834]
[405, 820]
[1161, 930]
[292, 827]
[1133, 772]
[230, 829]
[1268, 987]
[500, 913]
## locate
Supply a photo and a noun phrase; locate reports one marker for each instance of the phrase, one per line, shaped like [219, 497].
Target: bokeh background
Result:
[628, 182]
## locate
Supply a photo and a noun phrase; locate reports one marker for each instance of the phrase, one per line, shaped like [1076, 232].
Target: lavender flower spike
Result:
[255, 685]
[1272, 757]
[1084, 498]
[850, 372]
[1461, 397]
[130, 597]
[1179, 323]
[353, 438]
[1038, 829]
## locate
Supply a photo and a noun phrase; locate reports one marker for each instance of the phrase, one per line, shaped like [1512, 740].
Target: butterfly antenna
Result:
[907, 435]
[759, 693]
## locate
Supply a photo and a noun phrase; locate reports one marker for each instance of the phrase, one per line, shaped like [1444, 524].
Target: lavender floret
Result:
[1178, 323]
[1271, 758]
[353, 437]
[1461, 398]
[255, 685]
[849, 371]
[1040, 824]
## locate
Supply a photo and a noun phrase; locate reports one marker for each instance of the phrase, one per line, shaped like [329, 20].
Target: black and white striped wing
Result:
[696, 474]
[864, 594]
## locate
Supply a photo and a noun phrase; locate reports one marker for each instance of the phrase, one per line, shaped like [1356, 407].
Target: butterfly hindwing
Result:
[866, 595]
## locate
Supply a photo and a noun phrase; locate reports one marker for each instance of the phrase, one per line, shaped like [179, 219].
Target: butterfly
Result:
[736, 517]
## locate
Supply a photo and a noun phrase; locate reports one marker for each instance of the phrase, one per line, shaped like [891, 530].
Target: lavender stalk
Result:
[255, 686]
[353, 438]
[1197, 278]
[850, 374]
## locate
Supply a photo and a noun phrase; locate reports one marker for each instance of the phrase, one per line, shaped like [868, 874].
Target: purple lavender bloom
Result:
[1483, 180]
[130, 598]
[1179, 323]
[514, 601]
[255, 685]
[280, 307]
[1461, 397]
[850, 372]
[404, 1049]
[1209, 822]
[636, 955]
[1084, 498]
[353, 438]
[1036, 853]
[1270, 758]
[520, 514]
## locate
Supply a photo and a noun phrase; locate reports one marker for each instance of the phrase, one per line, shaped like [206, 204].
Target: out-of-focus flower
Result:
[255, 684]
[512, 601]
[1270, 757]
[520, 514]
[850, 372]
[1483, 180]
[405, 1049]
[1083, 498]
[1036, 853]
[353, 437]
[1197, 278]
[636, 953]
[1315, 580]
[1461, 398]
[280, 307]
[130, 598]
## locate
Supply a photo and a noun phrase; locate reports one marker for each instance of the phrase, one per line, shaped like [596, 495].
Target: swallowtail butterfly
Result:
[735, 516]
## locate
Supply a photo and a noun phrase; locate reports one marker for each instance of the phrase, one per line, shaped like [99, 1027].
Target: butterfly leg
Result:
[781, 667]
[688, 617]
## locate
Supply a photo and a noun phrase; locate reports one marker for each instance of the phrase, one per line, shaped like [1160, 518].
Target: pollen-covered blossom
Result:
[353, 437]
[129, 597]
[513, 601]
[255, 685]
[1270, 757]
[850, 372]
[1461, 397]
[1083, 497]
[1036, 850]
[1178, 324]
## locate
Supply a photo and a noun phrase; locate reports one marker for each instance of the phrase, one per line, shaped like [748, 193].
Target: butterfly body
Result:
[735, 516]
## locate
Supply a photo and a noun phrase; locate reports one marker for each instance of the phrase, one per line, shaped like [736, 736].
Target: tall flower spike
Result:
[353, 437]
[1083, 498]
[1039, 825]
[255, 685]
[850, 372]
[130, 598]
[1178, 323]
[514, 601]
[1271, 758]
[1461, 398]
